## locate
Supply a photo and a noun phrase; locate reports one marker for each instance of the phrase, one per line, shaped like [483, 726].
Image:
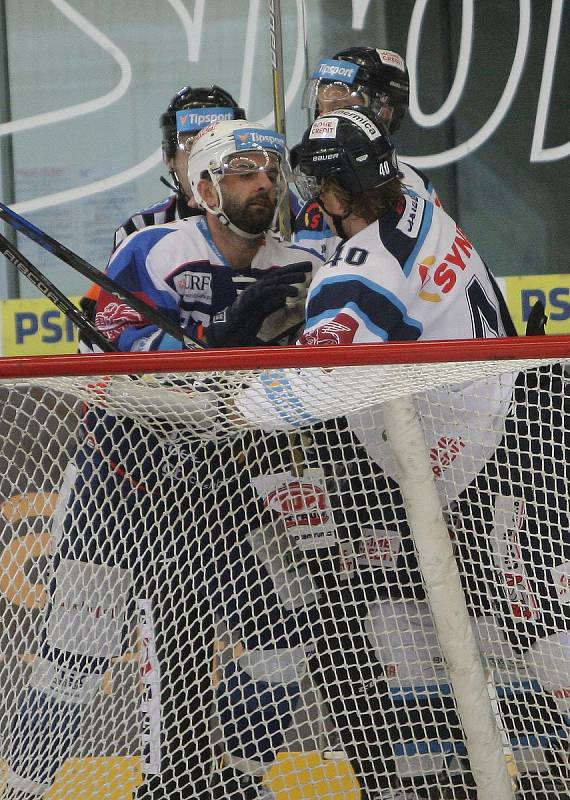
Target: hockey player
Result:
[190, 110]
[366, 77]
[162, 518]
[406, 271]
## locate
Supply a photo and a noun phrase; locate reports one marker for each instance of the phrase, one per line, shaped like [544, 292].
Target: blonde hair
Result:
[371, 204]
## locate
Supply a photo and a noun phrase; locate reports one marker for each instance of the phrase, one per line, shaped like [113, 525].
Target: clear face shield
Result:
[308, 186]
[332, 85]
[324, 93]
[322, 96]
[273, 162]
[249, 163]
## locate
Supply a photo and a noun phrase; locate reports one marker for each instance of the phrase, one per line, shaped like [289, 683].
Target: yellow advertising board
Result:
[521, 293]
[34, 326]
[37, 327]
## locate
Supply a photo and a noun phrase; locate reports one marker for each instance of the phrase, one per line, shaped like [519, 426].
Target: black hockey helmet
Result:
[350, 145]
[193, 100]
[377, 77]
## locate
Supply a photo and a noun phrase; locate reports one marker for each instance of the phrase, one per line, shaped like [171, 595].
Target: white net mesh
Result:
[209, 587]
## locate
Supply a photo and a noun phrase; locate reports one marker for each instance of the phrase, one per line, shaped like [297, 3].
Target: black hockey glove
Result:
[264, 311]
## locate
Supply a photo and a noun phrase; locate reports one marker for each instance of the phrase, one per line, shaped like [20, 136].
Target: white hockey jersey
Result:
[178, 270]
[413, 274]
[409, 276]
[310, 229]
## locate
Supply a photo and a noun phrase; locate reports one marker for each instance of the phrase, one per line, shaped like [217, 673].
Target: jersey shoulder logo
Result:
[114, 318]
[340, 330]
[411, 219]
[310, 218]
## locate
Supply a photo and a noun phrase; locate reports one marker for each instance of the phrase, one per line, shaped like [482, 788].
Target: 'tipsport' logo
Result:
[332, 70]
[194, 119]
[253, 138]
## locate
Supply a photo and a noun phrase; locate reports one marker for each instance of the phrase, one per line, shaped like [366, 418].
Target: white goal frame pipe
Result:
[447, 601]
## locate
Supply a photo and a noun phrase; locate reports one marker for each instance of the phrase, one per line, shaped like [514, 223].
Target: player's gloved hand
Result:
[265, 310]
[292, 314]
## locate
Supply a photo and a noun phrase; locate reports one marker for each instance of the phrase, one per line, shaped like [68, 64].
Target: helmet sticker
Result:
[189, 120]
[330, 69]
[361, 121]
[391, 59]
[253, 138]
[324, 128]
[205, 131]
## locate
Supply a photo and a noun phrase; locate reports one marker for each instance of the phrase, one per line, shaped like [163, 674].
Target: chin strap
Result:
[337, 222]
[336, 219]
[229, 224]
[174, 185]
[223, 217]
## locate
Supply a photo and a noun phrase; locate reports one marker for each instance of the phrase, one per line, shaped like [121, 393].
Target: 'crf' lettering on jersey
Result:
[194, 285]
[445, 274]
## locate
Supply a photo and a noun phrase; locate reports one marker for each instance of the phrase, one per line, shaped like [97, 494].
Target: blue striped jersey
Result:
[413, 274]
[178, 269]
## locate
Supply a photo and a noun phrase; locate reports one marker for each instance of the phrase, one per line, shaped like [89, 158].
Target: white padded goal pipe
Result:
[449, 610]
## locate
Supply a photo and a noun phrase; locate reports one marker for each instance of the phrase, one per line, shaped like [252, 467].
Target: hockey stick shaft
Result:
[47, 288]
[96, 276]
[276, 35]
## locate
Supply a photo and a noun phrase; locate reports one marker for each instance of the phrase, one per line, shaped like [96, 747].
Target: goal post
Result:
[447, 602]
[195, 602]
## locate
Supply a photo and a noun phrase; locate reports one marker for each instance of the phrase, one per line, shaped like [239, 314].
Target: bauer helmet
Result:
[190, 110]
[356, 76]
[350, 145]
[225, 148]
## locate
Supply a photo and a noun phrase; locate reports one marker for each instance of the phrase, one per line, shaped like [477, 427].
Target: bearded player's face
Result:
[250, 199]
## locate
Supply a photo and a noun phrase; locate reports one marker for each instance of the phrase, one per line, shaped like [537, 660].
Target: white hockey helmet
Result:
[213, 155]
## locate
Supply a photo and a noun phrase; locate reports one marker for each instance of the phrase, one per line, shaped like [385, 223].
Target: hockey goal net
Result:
[287, 573]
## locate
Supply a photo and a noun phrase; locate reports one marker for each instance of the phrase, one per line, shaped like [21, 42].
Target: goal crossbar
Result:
[557, 347]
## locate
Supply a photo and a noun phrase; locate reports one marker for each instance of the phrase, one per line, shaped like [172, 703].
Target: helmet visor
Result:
[322, 97]
[250, 162]
[308, 186]
[332, 85]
